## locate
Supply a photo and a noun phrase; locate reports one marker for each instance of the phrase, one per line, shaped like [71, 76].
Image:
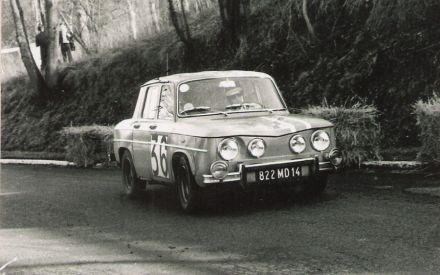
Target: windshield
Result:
[228, 95]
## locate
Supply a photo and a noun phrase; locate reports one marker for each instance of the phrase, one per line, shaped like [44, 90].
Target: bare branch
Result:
[307, 19]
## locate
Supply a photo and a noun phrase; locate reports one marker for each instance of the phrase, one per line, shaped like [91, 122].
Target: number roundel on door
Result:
[159, 164]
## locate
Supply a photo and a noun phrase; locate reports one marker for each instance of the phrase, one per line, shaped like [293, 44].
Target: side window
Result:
[150, 106]
[166, 104]
[139, 103]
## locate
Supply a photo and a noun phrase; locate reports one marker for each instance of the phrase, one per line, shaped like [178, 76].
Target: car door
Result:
[143, 130]
[162, 137]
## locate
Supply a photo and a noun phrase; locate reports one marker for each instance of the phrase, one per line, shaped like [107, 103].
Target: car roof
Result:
[177, 78]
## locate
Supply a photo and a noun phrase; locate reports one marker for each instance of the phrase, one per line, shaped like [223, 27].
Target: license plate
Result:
[274, 175]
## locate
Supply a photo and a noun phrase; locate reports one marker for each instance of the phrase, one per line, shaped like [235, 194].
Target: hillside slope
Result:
[360, 53]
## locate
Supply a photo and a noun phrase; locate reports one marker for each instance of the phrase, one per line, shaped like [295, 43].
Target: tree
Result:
[307, 19]
[39, 14]
[233, 14]
[181, 26]
[76, 33]
[86, 18]
[132, 18]
[155, 22]
[35, 76]
[51, 30]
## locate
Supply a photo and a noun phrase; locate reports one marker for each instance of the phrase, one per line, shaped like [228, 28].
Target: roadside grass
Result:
[399, 153]
[428, 120]
[357, 131]
[88, 145]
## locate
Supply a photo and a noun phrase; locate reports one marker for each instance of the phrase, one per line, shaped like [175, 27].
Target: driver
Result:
[235, 96]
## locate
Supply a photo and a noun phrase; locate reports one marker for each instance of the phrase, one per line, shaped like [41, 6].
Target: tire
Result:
[133, 186]
[187, 189]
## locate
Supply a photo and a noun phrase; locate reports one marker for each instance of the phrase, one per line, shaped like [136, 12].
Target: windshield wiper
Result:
[244, 105]
[273, 110]
[203, 109]
[248, 107]
[196, 109]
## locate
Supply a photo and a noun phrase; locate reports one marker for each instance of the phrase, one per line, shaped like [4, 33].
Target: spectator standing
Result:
[42, 41]
[64, 40]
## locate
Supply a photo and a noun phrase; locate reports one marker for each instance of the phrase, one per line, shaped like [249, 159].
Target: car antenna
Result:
[168, 70]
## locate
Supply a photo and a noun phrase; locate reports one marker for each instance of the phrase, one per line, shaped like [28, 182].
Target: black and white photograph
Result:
[220, 137]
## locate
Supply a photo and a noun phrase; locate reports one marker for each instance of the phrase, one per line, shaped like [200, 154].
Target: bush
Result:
[428, 119]
[87, 145]
[356, 129]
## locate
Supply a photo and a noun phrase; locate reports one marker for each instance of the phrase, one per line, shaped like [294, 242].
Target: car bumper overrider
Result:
[283, 171]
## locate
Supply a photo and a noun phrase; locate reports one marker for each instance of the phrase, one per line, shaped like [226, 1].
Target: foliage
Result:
[87, 145]
[381, 51]
[35, 76]
[428, 119]
[356, 128]
[8, 28]
[385, 53]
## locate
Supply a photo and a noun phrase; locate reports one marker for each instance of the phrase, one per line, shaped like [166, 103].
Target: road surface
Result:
[76, 221]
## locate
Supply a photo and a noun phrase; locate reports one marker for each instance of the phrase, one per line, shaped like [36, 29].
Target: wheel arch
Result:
[175, 158]
[121, 151]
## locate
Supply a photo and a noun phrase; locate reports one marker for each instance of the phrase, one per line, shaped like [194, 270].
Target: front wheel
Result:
[187, 189]
[132, 184]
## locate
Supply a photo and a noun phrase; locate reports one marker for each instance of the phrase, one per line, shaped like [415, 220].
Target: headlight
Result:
[228, 149]
[297, 144]
[256, 147]
[335, 157]
[320, 140]
[219, 169]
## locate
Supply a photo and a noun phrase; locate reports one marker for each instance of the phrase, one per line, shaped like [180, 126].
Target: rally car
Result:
[217, 128]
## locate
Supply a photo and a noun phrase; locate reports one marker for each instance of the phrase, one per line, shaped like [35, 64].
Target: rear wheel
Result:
[132, 184]
[187, 189]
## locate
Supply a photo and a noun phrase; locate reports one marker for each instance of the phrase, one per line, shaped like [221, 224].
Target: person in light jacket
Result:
[64, 41]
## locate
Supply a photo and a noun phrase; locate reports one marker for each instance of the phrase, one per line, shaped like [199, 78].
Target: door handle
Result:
[136, 126]
[153, 126]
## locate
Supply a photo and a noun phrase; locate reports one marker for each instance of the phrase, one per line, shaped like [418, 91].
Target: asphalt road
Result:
[75, 221]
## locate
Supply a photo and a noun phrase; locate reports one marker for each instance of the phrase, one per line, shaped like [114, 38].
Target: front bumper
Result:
[238, 177]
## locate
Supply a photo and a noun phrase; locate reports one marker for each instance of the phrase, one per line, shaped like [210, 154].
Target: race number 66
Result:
[159, 156]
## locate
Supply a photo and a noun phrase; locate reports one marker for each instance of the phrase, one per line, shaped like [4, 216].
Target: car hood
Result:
[267, 125]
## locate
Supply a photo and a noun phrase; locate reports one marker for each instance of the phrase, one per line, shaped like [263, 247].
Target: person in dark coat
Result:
[42, 41]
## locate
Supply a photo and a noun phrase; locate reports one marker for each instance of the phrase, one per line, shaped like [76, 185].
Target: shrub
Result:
[428, 119]
[356, 129]
[87, 145]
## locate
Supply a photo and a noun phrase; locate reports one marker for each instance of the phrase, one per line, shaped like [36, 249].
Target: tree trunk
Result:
[53, 47]
[92, 11]
[185, 21]
[154, 12]
[233, 19]
[307, 19]
[132, 17]
[222, 14]
[34, 73]
[149, 21]
[80, 31]
[39, 15]
[175, 20]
